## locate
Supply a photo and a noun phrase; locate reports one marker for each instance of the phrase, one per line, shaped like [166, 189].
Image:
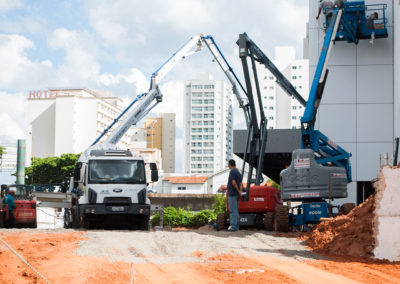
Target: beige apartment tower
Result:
[160, 134]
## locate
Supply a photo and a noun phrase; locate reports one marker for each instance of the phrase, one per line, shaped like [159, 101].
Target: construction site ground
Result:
[180, 256]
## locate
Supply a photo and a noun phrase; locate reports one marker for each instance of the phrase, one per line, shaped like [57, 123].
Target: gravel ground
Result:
[186, 246]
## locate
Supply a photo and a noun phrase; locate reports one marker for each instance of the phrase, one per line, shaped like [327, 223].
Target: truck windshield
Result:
[116, 171]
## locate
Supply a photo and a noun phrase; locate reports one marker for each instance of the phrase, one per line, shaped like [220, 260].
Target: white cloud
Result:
[13, 115]
[8, 5]
[24, 25]
[132, 76]
[172, 102]
[17, 71]
[80, 59]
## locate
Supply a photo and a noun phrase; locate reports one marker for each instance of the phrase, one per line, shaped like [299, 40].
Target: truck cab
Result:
[110, 189]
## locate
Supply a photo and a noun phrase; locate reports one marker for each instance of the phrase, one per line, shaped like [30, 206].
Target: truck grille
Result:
[117, 200]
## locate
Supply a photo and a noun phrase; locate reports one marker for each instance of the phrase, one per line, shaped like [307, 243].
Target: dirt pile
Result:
[350, 235]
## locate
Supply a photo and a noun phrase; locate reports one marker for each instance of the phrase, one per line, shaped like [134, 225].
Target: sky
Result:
[116, 45]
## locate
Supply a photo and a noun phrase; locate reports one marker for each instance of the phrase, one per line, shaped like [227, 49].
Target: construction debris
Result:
[350, 234]
[370, 230]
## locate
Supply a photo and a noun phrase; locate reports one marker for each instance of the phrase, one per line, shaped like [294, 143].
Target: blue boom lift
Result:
[321, 169]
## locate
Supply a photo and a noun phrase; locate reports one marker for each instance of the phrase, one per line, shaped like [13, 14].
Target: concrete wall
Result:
[357, 109]
[387, 215]
[194, 202]
[396, 16]
[168, 142]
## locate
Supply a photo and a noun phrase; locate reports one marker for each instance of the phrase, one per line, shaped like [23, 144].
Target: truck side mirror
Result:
[153, 166]
[77, 172]
[154, 175]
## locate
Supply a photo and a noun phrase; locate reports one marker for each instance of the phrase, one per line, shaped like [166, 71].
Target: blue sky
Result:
[116, 45]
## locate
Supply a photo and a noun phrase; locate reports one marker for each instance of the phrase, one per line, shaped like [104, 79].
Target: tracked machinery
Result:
[321, 169]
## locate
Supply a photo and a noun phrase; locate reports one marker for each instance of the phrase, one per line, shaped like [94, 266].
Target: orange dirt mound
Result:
[350, 235]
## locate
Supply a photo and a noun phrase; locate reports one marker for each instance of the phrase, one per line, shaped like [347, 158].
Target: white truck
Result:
[109, 184]
[110, 189]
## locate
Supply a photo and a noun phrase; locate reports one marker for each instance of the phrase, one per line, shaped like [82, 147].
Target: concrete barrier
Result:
[194, 202]
[387, 215]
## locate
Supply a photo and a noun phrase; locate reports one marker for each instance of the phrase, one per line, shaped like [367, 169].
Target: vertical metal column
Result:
[21, 161]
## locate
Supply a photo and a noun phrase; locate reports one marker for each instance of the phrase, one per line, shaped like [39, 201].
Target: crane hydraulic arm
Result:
[147, 101]
[326, 151]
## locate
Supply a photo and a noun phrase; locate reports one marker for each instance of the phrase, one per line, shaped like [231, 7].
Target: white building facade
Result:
[208, 125]
[68, 121]
[360, 105]
[281, 110]
[168, 142]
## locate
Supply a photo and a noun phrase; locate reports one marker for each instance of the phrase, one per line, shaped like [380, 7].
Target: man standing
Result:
[234, 189]
[325, 6]
[9, 200]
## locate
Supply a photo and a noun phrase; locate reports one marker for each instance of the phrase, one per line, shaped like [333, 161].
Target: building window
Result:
[271, 97]
[294, 77]
[294, 117]
[181, 187]
[271, 87]
[271, 108]
[271, 118]
[197, 108]
[271, 78]
[294, 67]
[300, 87]
[294, 107]
[197, 116]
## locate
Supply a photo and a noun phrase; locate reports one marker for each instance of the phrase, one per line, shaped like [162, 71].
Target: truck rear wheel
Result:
[281, 218]
[221, 222]
[269, 221]
[75, 217]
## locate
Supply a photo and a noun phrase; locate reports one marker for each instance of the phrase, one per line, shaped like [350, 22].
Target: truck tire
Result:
[2, 220]
[221, 222]
[144, 223]
[346, 208]
[67, 219]
[281, 218]
[86, 222]
[269, 221]
[75, 217]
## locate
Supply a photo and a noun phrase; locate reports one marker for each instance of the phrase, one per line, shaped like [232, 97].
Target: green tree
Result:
[2, 151]
[51, 169]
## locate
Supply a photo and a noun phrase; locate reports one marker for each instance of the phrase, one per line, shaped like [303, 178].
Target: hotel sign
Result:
[42, 94]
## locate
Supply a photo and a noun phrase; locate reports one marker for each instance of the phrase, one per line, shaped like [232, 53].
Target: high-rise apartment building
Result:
[160, 134]
[207, 125]
[69, 120]
[281, 110]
